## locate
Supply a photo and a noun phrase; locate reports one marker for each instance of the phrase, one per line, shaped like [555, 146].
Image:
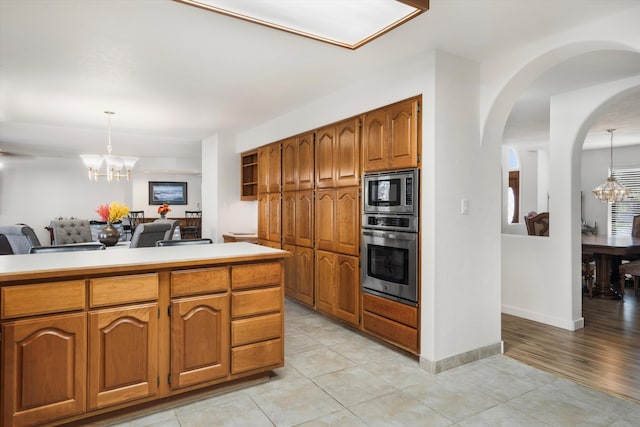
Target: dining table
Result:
[608, 252]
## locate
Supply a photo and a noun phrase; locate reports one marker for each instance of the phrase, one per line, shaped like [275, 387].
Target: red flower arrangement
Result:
[164, 209]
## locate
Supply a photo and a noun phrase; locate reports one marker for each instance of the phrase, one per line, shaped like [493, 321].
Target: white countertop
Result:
[12, 265]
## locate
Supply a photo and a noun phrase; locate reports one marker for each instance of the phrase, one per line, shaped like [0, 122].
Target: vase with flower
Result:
[113, 212]
[163, 210]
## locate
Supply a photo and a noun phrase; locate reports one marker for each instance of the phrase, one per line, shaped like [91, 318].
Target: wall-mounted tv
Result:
[173, 193]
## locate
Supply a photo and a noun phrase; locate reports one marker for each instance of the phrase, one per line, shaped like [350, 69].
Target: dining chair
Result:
[182, 242]
[21, 237]
[5, 246]
[147, 234]
[633, 269]
[193, 225]
[588, 271]
[134, 218]
[67, 248]
[174, 232]
[537, 223]
[68, 231]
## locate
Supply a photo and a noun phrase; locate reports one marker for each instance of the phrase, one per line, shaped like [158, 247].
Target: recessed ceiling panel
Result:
[347, 23]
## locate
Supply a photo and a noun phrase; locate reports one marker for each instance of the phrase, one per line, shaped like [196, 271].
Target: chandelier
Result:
[116, 167]
[611, 191]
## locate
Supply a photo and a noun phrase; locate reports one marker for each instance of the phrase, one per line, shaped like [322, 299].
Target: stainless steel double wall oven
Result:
[390, 225]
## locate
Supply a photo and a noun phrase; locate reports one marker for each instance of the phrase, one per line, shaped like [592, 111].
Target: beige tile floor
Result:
[336, 377]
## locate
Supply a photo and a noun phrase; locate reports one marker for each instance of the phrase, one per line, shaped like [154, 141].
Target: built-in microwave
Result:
[394, 192]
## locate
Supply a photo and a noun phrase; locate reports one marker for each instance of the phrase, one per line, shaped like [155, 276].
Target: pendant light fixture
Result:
[611, 191]
[116, 167]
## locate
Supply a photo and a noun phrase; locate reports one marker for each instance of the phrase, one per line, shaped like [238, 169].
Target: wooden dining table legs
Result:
[607, 274]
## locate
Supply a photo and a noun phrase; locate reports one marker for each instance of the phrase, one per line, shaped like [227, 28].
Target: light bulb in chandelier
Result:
[117, 167]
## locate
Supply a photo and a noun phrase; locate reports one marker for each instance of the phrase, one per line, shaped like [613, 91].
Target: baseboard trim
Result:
[570, 325]
[461, 359]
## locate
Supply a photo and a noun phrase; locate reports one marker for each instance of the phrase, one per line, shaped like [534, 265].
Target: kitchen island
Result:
[86, 333]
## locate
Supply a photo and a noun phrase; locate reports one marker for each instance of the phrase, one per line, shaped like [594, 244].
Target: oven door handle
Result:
[389, 234]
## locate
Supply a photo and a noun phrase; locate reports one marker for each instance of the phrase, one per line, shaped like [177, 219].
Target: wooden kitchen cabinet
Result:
[263, 170]
[51, 351]
[289, 164]
[304, 218]
[393, 321]
[325, 219]
[249, 175]
[273, 218]
[390, 137]
[305, 161]
[338, 220]
[275, 167]
[263, 216]
[347, 222]
[123, 354]
[338, 286]
[347, 153]
[289, 218]
[324, 153]
[299, 283]
[199, 339]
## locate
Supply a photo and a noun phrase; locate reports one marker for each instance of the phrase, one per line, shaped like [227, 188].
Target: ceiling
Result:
[175, 74]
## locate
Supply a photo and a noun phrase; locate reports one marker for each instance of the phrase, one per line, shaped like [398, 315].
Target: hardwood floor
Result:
[605, 355]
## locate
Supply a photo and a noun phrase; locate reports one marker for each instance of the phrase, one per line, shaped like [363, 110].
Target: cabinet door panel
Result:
[325, 219]
[263, 170]
[289, 164]
[274, 217]
[347, 290]
[325, 281]
[290, 278]
[304, 218]
[347, 153]
[49, 351]
[304, 270]
[274, 167]
[199, 339]
[123, 354]
[263, 216]
[289, 217]
[403, 138]
[305, 162]
[374, 156]
[325, 139]
[347, 221]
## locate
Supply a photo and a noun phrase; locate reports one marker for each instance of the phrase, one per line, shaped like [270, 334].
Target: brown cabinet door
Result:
[347, 289]
[304, 271]
[289, 164]
[289, 217]
[403, 134]
[263, 216]
[325, 140]
[274, 217]
[263, 170]
[304, 218]
[43, 369]
[199, 339]
[347, 235]
[374, 144]
[123, 354]
[304, 162]
[347, 153]
[274, 167]
[325, 281]
[290, 272]
[325, 218]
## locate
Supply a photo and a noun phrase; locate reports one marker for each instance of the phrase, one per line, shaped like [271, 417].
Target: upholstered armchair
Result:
[147, 234]
[68, 231]
[21, 238]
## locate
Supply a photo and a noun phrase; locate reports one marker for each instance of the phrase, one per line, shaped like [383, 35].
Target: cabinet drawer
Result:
[394, 332]
[254, 329]
[393, 310]
[255, 275]
[259, 355]
[199, 281]
[123, 289]
[258, 301]
[56, 297]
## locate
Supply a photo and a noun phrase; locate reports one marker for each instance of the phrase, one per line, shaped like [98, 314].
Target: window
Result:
[621, 213]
